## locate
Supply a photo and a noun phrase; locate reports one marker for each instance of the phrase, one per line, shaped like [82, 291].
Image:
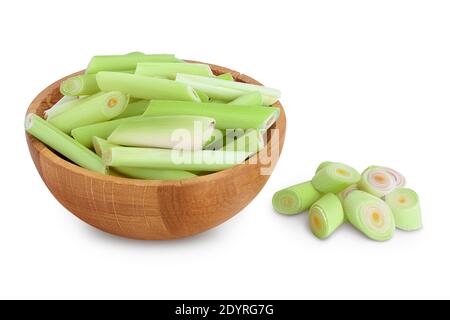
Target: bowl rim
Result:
[54, 158]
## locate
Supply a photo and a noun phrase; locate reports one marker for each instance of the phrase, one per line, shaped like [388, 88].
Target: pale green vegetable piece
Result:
[225, 76]
[399, 179]
[125, 62]
[228, 90]
[170, 70]
[134, 109]
[379, 182]
[59, 107]
[63, 144]
[251, 141]
[326, 215]
[335, 178]
[323, 165]
[81, 85]
[203, 97]
[405, 206]
[146, 88]
[251, 99]
[168, 132]
[295, 199]
[217, 140]
[97, 108]
[226, 116]
[370, 215]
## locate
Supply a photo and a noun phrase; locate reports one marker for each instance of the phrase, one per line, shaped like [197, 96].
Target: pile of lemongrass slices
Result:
[374, 202]
[156, 117]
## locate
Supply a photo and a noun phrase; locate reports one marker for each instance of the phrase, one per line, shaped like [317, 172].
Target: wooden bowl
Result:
[148, 210]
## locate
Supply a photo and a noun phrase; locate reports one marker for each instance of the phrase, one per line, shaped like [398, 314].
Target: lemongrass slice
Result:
[399, 179]
[167, 132]
[134, 109]
[227, 116]
[344, 193]
[251, 99]
[405, 206]
[295, 199]
[326, 215]
[335, 178]
[228, 90]
[370, 215]
[170, 70]
[81, 85]
[59, 107]
[377, 181]
[100, 107]
[203, 96]
[225, 76]
[63, 144]
[142, 173]
[204, 160]
[251, 141]
[323, 165]
[147, 88]
[125, 62]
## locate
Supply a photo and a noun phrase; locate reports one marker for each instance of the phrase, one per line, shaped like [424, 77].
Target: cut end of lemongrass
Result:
[335, 178]
[286, 202]
[324, 165]
[399, 179]
[71, 86]
[271, 120]
[405, 206]
[28, 123]
[378, 181]
[295, 199]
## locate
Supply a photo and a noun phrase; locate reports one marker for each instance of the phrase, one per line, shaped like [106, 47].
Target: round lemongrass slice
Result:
[377, 181]
[295, 199]
[399, 179]
[326, 215]
[370, 215]
[324, 165]
[405, 206]
[335, 177]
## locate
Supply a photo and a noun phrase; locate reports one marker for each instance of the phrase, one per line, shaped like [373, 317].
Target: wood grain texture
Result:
[148, 210]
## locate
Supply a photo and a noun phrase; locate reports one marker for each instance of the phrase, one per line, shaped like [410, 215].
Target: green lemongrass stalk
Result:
[100, 107]
[59, 107]
[225, 76]
[370, 215]
[64, 144]
[85, 84]
[125, 62]
[134, 109]
[226, 116]
[295, 199]
[378, 181]
[217, 140]
[203, 97]
[326, 215]
[228, 90]
[323, 165]
[205, 160]
[147, 88]
[141, 173]
[166, 132]
[405, 207]
[335, 178]
[252, 141]
[170, 70]
[251, 99]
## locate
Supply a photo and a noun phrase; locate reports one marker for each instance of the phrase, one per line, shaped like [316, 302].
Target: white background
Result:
[364, 82]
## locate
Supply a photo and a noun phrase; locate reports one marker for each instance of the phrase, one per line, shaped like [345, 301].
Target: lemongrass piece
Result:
[85, 84]
[125, 62]
[225, 76]
[228, 90]
[205, 160]
[134, 109]
[405, 206]
[217, 101]
[370, 215]
[167, 132]
[335, 178]
[323, 165]
[217, 140]
[252, 141]
[226, 116]
[203, 97]
[344, 193]
[63, 144]
[251, 99]
[59, 107]
[170, 70]
[102, 145]
[143, 87]
[378, 181]
[295, 199]
[399, 179]
[326, 215]
[102, 106]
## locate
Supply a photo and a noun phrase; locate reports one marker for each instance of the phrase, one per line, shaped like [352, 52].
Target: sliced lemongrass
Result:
[63, 144]
[85, 84]
[142, 173]
[217, 101]
[399, 179]
[97, 108]
[335, 178]
[125, 62]
[295, 199]
[59, 107]
[217, 140]
[203, 96]
[147, 88]
[323, 165]
[326, 215]
[370, 215]
[204, 160]
[226, 116]
[170, 70]
[252, 141]
[223, 89]
[344, 193]
[225, 76]
[377, 181]
[405, 206]
[251, 99]
[134, 109]
[167, 132]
